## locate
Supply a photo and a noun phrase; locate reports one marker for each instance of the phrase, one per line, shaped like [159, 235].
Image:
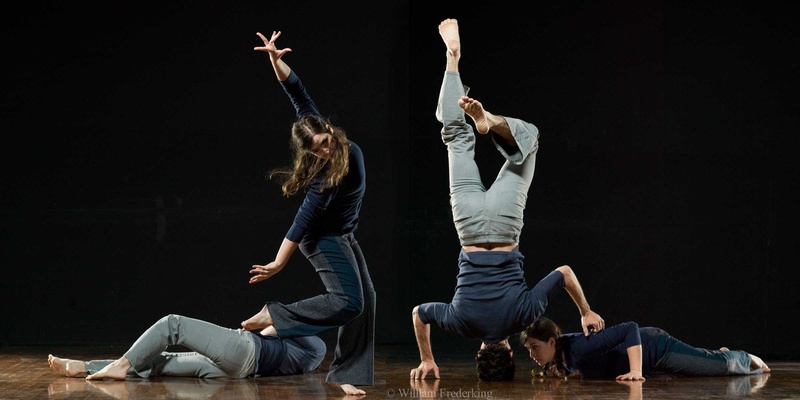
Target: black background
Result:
[137, 137]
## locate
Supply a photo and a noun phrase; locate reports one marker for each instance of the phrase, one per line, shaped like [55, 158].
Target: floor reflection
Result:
[190, 388]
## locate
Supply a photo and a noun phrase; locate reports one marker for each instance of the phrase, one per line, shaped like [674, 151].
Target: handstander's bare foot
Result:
[349, 389]
[486, 121]
[70, 368]
[261, 320]
[474, 109]
[448, 30]
[117, 371]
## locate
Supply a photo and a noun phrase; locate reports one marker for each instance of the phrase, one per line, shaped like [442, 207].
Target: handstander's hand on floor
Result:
[424, 367]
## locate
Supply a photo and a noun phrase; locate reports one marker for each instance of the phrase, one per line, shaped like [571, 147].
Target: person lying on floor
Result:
[628, 352]
[216, 352]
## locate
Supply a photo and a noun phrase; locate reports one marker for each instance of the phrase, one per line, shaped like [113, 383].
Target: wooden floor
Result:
[24, 374]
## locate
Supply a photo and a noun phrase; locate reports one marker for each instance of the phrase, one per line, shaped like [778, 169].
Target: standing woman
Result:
[329, 168]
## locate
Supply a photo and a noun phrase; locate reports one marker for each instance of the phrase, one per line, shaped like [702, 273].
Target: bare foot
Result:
[758, 363]
[261, 320]
[474, 109]
[448, 29]
[724, 348]
[70, 368]
[117, 371]
[350, 389]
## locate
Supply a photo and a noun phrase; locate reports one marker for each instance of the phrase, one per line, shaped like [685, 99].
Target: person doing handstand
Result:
[492, 300]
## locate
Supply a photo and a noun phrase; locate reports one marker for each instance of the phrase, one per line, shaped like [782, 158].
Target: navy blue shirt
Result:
[335, 210]
[270, 352]
[276, 356]
[605, 354]
[492, 299]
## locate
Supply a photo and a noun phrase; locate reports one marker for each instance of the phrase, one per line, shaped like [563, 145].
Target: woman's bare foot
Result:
[70, 368]
[448, 29]
[117, 370]
[756, 363]
[261, 320]
[350, 389]
[724, 348]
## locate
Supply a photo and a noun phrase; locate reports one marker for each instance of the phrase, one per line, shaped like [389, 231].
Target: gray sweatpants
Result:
[481, 215]
[225, 352]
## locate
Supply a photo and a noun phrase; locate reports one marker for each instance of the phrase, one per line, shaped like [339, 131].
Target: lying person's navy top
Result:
[492, 299]
[335, 210]
[275, 356]
[605, 354]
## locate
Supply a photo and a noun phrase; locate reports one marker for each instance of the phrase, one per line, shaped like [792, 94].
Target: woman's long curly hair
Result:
[306, 166]
[543, 329]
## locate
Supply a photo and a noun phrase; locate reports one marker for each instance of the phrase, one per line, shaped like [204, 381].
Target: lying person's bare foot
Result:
[261, 320]
[117, 370]
[724, 348]
[70, 368]
[757, 363]
[350, 389]
[448, 29]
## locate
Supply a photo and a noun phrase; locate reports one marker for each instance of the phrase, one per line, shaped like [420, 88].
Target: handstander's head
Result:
[495, 362]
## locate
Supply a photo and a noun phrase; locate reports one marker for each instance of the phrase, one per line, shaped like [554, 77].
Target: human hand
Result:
[262, 272]
[269, 45]
[423, 369]
[592, 322]
[633, 375]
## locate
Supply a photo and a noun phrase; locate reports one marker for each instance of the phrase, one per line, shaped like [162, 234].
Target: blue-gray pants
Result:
[349, 304]
[217, 352]
[684, 359]
[481, 215]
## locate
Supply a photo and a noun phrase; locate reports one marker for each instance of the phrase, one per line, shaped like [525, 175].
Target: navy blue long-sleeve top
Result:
[276, 356]
[335, 210]
[492, 299]
[605, 354]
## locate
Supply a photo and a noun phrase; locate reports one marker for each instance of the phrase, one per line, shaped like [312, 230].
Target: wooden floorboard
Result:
[24, 374]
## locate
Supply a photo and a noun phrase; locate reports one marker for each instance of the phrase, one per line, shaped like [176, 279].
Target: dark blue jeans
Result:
[684, 359]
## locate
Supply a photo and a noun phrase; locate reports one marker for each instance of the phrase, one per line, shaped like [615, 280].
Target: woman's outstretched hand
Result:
[269, 45]
[262, 272]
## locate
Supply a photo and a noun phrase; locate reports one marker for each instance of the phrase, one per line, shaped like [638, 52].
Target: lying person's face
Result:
[541, 352]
